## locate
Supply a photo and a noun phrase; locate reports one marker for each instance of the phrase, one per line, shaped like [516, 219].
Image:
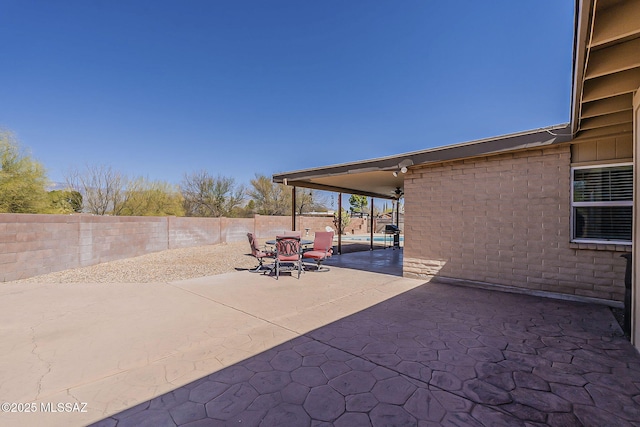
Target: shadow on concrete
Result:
[435, 355]
[379, 260]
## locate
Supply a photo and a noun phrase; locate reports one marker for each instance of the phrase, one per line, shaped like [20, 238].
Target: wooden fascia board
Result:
[542, 137]
[583, 14]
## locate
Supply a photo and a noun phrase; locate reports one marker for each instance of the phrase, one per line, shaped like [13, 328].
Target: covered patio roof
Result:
[376, 178]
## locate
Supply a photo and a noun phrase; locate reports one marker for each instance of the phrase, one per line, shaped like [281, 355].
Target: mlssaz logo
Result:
[63, 407]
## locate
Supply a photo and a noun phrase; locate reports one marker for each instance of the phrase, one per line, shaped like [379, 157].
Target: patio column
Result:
[293, 209]
[339, 223]
[371, 224]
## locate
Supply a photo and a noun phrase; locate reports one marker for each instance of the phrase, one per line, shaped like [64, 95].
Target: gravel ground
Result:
[166, 266]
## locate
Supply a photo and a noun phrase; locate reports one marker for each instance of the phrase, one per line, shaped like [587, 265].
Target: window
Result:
[602, 203]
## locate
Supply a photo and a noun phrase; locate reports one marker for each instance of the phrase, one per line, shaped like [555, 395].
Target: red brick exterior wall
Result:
[505, 220]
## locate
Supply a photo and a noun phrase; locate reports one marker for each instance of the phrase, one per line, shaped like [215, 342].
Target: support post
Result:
[293, 209]
[371, 224]
[339, 223]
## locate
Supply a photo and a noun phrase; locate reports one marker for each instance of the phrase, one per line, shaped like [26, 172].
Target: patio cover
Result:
[375, 177]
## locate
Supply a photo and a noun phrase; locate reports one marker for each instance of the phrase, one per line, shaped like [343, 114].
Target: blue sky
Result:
[160, 88]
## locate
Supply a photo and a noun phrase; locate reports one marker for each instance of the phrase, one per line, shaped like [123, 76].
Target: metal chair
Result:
[259, 253]
[288, 251]
[322, 249]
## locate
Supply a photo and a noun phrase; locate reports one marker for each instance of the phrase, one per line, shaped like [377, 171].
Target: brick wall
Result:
[104, 238]
[505, 220]
[31, 245]
[313, 223]
[37, 244]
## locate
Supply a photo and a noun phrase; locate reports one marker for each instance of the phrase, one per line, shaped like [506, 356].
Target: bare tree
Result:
[308, 200]
[268, 197]
[103, 189]
[207, 196]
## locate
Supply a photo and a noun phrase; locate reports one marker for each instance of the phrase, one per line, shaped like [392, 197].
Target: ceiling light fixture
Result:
[403, 167]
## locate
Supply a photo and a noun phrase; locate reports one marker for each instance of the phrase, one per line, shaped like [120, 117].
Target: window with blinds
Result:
[602, 203]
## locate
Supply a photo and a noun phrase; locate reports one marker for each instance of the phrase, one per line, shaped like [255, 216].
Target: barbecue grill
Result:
[393, 230]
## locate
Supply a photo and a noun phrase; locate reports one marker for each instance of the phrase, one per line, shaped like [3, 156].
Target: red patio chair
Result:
[322, 249]
[288, 251]
[259, 252]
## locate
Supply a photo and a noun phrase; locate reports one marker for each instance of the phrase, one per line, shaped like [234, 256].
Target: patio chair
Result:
[260, 253]
[322, 249]
[288, 251]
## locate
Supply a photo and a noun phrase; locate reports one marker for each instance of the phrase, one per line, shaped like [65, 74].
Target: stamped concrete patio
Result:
[343, 348]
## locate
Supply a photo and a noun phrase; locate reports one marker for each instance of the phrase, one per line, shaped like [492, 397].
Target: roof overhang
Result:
[376, 177]
[606, 73]
[606, 67]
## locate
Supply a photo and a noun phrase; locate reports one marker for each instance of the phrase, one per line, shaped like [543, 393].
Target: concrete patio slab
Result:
[112, 346]
[435, 355]
[345, 348]
[301, 305]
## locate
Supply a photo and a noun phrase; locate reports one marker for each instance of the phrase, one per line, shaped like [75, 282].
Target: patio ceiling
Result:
[375, 177]
[606, 67]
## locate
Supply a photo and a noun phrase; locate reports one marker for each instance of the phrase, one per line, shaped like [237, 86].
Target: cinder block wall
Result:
[105, 238]
[269, 226]
[320, 223]
[37, 244]
[31, 245]
[505, 220]
[236, 229]
[187, 232]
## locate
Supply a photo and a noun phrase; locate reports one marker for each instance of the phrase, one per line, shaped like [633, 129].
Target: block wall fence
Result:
[505, 220]
[31, 245]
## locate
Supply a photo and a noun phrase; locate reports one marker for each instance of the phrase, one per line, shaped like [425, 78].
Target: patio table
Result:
[303, 242]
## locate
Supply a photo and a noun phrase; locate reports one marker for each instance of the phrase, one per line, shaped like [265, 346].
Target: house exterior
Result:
[506, 219]
[546, 212]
